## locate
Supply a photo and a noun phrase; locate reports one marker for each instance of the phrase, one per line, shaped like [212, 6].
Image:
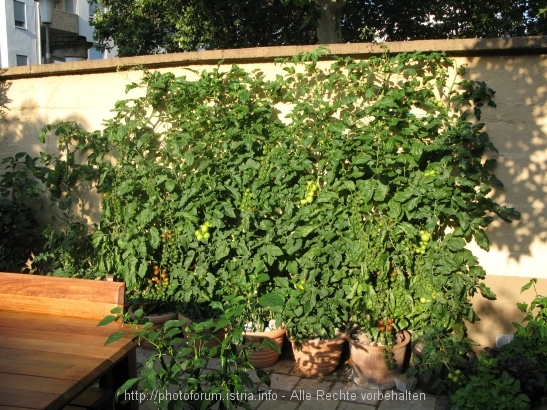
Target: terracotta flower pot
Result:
[157, 320]
[368, 364]
[214, 341]
[318, 358]
[264, 357]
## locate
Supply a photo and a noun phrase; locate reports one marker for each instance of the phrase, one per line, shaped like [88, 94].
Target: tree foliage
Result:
[149, 27]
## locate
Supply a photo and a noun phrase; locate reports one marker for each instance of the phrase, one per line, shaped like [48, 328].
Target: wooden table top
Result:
[46, 361]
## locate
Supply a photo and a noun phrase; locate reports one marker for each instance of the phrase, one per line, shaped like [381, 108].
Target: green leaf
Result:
[482, 239]
[523, 307]
[114, 337]
[108, 319]
[126, 386]
[487, 292]
[528, 285]
[380, 192]
[270, 344]
[455, 244]
[367, 189]
[154, 237]
[272, 299]
[170, 186]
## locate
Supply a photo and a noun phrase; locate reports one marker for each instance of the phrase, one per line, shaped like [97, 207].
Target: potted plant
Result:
[183, 365]
[153, 303]
[441, 359]
[260, 305]
[315, 316]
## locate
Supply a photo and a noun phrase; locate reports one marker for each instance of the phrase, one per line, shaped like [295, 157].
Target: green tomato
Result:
[425, 237]
[206, 235]
[303, 202]
[204, 228]
[199, 236]
[197, 233]
[423, 300]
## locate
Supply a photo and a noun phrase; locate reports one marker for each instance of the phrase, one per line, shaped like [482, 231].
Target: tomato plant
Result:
[371, 185]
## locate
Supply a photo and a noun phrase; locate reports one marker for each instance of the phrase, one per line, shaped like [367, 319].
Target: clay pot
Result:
[157, 320]
[264, 357]
[368, 364]
[318, 358]
[211, 342]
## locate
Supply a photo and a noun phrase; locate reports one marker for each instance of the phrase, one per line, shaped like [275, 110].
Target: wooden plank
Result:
[56, 307]
[84, 370]
[62, 288]
[15, 408]
[36, 392]
[73, 344]
[36, 400]
[56, 324]
[69, 297]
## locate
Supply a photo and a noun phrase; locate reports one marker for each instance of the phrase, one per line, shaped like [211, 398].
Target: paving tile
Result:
[278, 405]
[440, 403]
[143, 354]
[395, 400]
[320, 405]
[351, 392]
[312, 385]
[283, 382]
[281, 367]
[346, 405]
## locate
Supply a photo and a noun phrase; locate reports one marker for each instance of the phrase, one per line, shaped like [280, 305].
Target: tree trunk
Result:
[329, 29]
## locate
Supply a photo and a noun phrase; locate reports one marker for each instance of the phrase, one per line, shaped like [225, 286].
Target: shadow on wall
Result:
[4, 100]
[518, 129]
[19, 130]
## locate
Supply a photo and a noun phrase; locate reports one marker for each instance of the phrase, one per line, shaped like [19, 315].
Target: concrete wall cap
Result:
[453, 47]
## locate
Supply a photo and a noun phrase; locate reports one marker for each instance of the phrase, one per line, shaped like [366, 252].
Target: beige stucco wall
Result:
[515, 68]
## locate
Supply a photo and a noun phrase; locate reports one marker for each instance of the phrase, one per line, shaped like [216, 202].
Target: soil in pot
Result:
[318, 358]
[264, 357]
[369, 366]
[157, 320]
[210, 339]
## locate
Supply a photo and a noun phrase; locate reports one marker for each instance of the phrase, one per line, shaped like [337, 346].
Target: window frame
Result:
[24, 21]
[17, 56]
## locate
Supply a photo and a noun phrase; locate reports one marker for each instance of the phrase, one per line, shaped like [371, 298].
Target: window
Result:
[19, 11]
[95, 54]
[69, 6]
[22, 60]
[65, 5]
[93, 9]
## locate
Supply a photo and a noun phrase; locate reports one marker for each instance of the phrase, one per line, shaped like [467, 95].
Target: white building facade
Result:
[22, 38]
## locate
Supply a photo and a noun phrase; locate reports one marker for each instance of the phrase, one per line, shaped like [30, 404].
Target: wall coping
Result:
[453, 47]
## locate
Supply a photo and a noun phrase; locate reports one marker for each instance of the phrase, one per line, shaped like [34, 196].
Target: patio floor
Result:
[291, 391]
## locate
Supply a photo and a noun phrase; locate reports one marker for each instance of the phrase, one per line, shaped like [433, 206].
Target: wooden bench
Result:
[47, 303]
